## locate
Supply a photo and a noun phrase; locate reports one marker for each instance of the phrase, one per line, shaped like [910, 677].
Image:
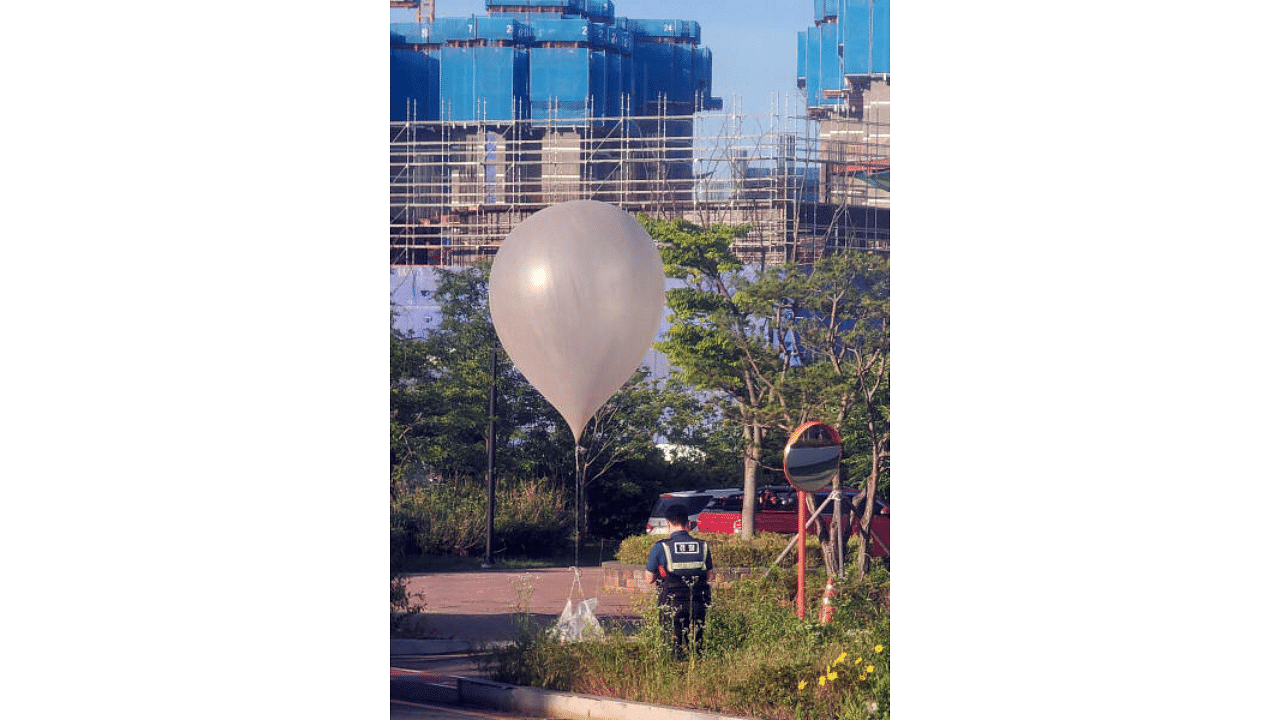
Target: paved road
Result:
[405, 710]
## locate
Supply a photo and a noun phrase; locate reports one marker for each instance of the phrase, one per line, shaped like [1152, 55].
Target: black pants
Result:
[683, 620]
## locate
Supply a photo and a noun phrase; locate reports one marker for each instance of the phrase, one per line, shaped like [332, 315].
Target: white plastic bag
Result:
[580, 623]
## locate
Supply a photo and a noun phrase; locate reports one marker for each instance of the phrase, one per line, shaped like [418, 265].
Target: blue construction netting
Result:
[554, 64]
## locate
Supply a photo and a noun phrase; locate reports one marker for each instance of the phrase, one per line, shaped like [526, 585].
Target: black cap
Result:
[678, 513]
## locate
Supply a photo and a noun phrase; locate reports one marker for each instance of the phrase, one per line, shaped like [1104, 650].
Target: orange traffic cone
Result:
[827, 596]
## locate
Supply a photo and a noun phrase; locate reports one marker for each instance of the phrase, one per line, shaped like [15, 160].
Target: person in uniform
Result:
[681, 565]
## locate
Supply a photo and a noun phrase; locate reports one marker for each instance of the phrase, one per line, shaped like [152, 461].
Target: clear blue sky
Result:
[753, 42]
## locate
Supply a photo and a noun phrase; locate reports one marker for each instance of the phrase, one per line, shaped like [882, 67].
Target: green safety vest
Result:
[684, 577]
[687, 558]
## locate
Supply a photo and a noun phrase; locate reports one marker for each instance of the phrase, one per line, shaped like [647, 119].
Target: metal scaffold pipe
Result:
[457, 187]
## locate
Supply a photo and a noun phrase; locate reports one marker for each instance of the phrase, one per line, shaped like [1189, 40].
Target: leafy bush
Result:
[729, 550]
[531, 517]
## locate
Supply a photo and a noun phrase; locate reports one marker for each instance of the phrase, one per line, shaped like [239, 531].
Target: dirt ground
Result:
[485, 606]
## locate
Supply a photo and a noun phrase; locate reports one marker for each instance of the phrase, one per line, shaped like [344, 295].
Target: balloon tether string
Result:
[577, 500]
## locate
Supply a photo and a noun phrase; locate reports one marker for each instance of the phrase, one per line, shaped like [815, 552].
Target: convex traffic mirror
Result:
[811, 459]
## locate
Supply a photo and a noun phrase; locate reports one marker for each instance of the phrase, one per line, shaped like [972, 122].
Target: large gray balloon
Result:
[576, 294]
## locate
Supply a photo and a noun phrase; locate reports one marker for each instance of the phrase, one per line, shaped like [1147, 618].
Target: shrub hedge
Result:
[732, 550]
[531, 518]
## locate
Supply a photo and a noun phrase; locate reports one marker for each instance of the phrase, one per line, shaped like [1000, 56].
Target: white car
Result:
[693, 501]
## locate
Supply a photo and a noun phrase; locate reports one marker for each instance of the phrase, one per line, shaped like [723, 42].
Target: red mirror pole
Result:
[801, 548]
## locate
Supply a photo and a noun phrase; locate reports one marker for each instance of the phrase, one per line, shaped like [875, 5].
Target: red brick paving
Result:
[480, 606]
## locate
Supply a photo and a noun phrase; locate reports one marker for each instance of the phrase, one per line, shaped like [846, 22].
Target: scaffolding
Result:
[808, 187]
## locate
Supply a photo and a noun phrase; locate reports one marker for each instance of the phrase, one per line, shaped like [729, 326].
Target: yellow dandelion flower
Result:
[822, 681]
[840, 659]
[803, 683]
[833, 675]
[871, 668]
[862, 677]
[879, 648]
[855, 662]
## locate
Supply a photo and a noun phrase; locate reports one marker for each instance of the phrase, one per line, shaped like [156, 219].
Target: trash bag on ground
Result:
[578, 623]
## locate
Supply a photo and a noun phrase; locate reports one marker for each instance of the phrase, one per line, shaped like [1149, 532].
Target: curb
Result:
[487, 694]
[548, 703]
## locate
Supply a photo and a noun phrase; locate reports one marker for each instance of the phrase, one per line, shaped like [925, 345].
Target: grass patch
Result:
[759, 659]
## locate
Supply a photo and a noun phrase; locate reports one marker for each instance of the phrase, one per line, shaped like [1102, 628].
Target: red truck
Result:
[776, 512]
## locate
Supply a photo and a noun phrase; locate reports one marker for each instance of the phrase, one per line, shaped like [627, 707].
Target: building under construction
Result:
[542, 101]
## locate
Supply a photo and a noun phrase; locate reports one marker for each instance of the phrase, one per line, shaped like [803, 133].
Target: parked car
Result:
[693, 500]
[776, 512]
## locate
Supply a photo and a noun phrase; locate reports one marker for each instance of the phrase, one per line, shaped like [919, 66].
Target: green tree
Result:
[413, 404]
[440, 390]
[716, 344]
[440, 385]
[459, 348]
[833, 319]
[788, 345]
[622, 429]
[626, 428]
[849, 335]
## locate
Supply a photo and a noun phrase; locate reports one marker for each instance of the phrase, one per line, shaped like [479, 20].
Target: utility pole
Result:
[491, 452]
